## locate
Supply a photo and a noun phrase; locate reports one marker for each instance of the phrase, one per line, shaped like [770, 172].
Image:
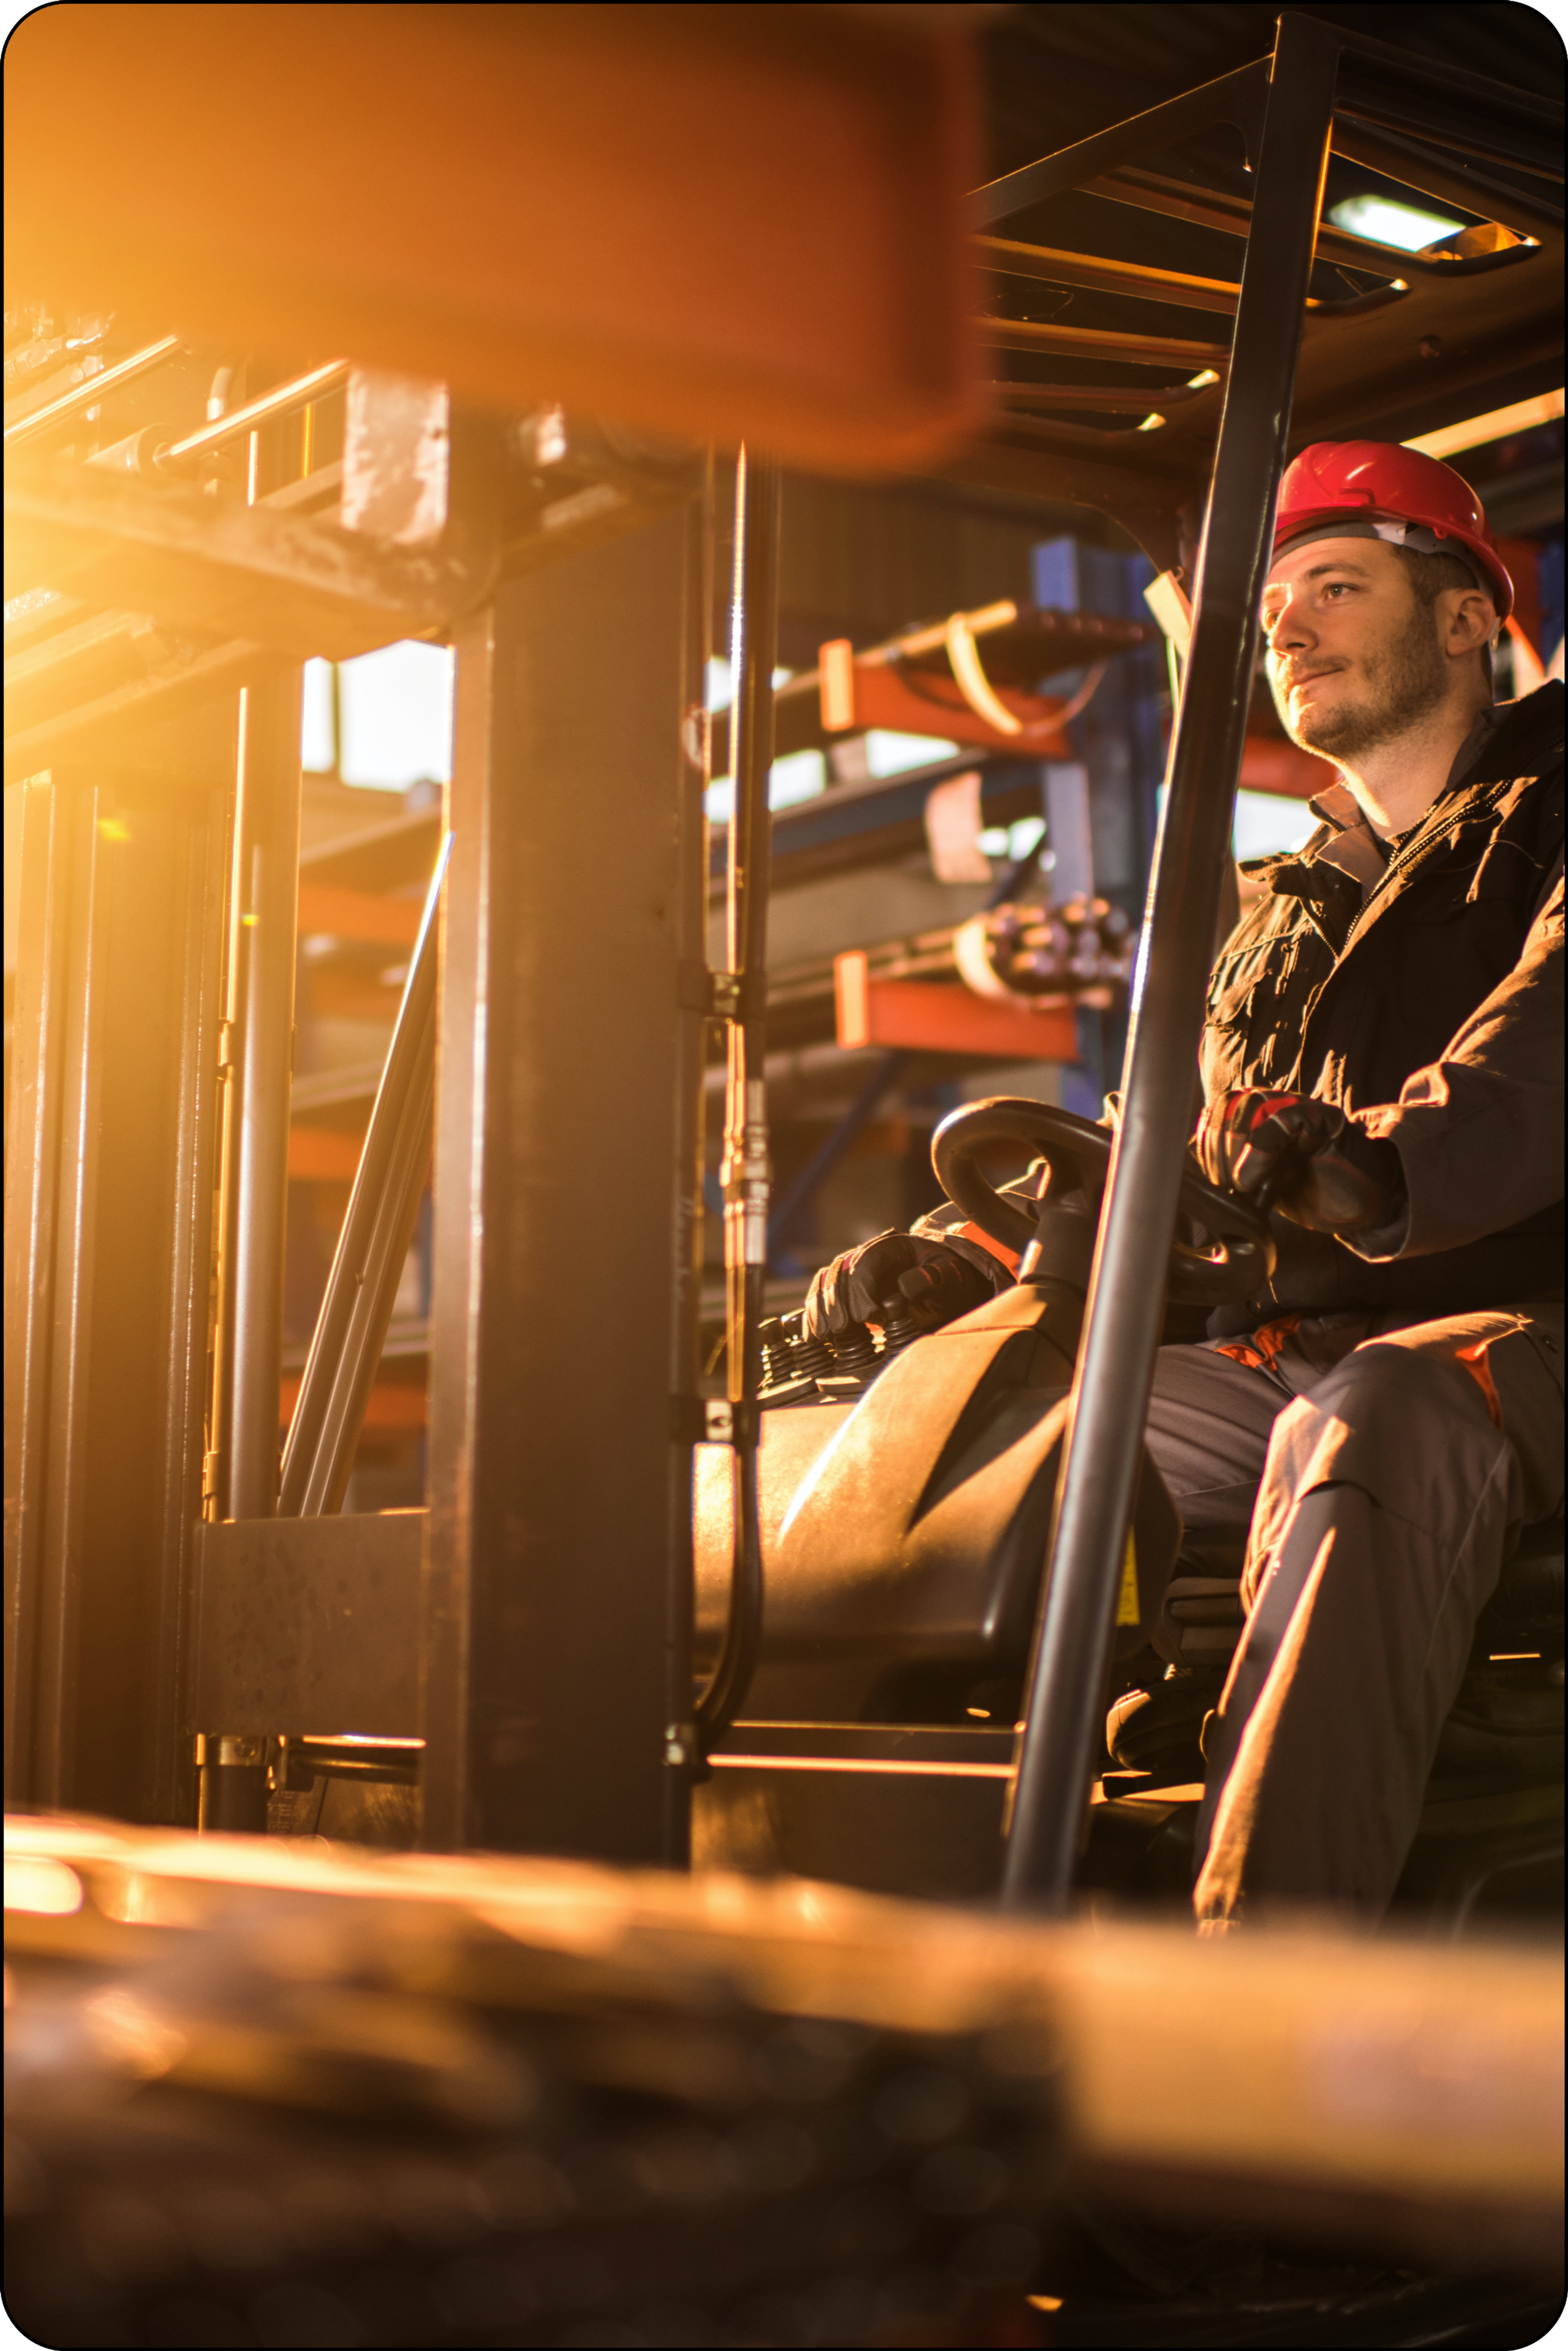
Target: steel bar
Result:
[240, 1475]
[754, 639]
[1118, 400]
[267, 408]
[258, 1065]
[1233, 98]
[83, 396]
[1009, 259]
[1401, 68]
[1039, 262]
[1100, 342]
[1458, 133]
[856, 359]
[1303, 2084]
[378, 1226]
[1522, 127]
[1215, 208]
[1103, 1452]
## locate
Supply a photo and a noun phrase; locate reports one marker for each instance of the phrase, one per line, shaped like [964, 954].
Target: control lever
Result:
[797, 1369]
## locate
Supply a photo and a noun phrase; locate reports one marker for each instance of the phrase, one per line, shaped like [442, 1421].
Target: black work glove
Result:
[896, 1272]
[1321, 1169]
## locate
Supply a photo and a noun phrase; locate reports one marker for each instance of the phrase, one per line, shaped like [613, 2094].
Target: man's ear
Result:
[1472, 623]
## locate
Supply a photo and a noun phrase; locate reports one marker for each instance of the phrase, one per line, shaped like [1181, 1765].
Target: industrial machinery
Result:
[906, 1487]
[855, 1619]
[344, 530]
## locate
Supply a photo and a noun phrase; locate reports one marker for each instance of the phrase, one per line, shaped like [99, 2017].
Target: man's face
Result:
[1354, 660]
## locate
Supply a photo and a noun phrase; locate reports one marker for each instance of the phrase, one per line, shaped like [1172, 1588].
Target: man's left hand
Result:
[1316, 1166]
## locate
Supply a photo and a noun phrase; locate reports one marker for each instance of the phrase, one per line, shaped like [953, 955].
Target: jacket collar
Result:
[1512, 738]
[1516, 738]
[1509, 738]
[1352, 846]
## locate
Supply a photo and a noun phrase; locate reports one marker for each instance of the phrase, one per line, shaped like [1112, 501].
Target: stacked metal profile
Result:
[313, 2095]
[240, 2116]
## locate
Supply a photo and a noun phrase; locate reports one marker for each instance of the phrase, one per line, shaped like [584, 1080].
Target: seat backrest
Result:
[1202, 1618]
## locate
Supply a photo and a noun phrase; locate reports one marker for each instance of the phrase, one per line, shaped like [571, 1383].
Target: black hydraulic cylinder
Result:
[232, 1790]
[383, 1208]
[1103, 1447]
[753, 646]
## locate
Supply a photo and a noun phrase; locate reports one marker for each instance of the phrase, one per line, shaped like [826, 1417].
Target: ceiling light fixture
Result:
[1387, 222]
[1495, 425]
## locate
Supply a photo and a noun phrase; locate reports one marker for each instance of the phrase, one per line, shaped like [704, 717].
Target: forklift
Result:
[925, 1696]
[863, 1617]
[927, 1701]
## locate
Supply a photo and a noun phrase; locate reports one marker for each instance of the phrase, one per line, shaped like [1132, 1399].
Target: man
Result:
[1383, 1042]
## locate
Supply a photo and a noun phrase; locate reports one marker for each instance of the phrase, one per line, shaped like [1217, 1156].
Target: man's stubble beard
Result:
[1403, 682]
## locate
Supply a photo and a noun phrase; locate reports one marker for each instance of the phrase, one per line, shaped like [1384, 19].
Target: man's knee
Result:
[1395, 1393]
[1412, 1431]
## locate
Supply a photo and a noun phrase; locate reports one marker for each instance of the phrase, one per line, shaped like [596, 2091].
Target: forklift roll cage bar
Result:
[1460, 138]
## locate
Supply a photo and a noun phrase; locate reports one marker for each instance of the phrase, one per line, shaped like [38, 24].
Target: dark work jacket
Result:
[1425, 996]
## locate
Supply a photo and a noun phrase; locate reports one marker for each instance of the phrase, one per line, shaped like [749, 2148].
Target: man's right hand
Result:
[896, 1272]
[1334, 1176]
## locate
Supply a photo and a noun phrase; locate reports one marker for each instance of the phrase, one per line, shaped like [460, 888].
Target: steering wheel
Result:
[1077, 1155]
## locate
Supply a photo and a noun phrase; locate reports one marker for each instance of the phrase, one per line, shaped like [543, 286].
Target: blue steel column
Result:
[1117, 739]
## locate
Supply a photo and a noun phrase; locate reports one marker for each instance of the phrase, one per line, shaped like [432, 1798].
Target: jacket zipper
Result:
[1404, 858]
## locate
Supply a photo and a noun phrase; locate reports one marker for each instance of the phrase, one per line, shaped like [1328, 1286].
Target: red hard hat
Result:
[1374, 487]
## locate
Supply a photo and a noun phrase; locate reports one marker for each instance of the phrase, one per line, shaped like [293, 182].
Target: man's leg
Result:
[1379, 1532]
[1210, 1419]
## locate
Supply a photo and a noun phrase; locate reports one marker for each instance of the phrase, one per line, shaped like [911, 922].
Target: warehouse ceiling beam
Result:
[1236, 97]
[1101, 343]
[1409, 341]
[1009, 259]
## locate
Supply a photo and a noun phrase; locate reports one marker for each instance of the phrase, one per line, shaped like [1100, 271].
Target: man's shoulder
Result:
[1527, 740]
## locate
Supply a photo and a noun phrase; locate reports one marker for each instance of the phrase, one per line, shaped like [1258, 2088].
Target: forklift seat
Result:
[1506, 1725]
[903, 1537]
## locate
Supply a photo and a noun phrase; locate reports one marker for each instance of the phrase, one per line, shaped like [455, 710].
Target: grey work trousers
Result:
[1365, 1484]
